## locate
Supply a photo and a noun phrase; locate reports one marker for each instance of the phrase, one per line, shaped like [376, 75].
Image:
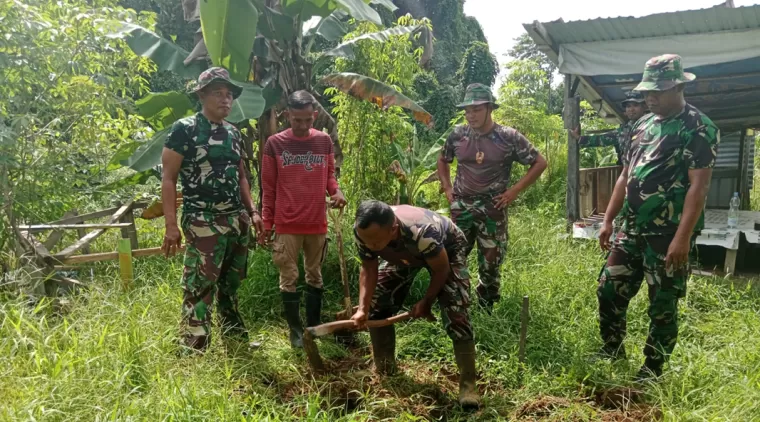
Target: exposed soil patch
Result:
[614, 405]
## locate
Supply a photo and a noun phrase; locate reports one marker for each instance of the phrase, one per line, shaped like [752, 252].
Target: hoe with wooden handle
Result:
[310, 347]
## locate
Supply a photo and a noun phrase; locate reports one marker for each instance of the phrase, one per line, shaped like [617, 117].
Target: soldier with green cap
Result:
[206, 153]
[485, 152]
[661, 198]
[635, 108]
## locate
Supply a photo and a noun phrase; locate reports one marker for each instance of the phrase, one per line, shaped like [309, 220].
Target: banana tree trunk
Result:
[267, 128]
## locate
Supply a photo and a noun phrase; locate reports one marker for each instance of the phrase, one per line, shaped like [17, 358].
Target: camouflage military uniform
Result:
[662, 152]
[618, 138]
[475, 187]
[423, 234]
[214, 222]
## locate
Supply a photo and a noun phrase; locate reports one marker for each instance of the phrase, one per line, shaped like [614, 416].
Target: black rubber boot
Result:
[313, 306]
[469, 397]
[613, 352]
[650, 372]
[384, 349]
[291, 304]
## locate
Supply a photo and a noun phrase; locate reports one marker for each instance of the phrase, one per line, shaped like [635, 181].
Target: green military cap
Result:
[216, 74]
[662, 73]
[477, 94]
[633, 97]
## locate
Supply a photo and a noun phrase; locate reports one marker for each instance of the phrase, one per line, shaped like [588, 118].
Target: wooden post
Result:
[131, 231]
[524, 318]
[571, 117]
[125, 262]
[81, 233]
[742, 184]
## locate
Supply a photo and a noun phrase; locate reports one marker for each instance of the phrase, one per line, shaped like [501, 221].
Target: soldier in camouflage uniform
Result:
[217, 211]
[635, 108]
[662, 192]
[485, 152]
[409, 239]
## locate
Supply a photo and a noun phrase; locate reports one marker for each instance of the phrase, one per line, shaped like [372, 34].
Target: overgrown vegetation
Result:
[112, 354]
[69, 123]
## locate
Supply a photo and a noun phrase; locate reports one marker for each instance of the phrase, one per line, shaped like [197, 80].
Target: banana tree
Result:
[267, 49]
[415, 166]
[284, 59]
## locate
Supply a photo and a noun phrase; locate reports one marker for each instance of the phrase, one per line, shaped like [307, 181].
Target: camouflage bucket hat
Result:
[216, 74]
[662, 73]
[477, 94]
[633, 97]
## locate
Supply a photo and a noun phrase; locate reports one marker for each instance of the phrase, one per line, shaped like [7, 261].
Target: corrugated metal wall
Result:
[726, 172]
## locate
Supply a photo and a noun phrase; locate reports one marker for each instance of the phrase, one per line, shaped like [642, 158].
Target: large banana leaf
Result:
[149, 154]
[249, 105]
[346, 49]
[275, 26]
[122, 154]
[330, 28]
[360, 10]
[306, 9]
[229, 28]
[161, 109]
[372, 90]
[166, 54]
[388, 4]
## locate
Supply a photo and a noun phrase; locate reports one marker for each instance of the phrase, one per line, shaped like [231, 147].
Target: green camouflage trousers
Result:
[216, 258]
[393, 283]
[485, 224]
[632, 259]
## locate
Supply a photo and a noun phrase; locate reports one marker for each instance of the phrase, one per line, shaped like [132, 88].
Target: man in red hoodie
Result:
[298, 168]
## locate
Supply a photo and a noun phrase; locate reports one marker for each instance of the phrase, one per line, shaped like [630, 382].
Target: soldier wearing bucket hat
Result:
[660, 196]
[206, 153]
[485, 152]
[635, 107]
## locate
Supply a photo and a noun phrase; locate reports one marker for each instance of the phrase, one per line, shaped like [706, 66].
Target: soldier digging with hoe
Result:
[485, 152]
[661, 197]
[409, 239]
[298, 169]
[217, 211]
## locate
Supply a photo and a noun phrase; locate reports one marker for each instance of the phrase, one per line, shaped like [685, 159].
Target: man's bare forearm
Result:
[245, 191]
[618, 196]
[692, 209]
[367, 284]
[169, 201]
[444, 174]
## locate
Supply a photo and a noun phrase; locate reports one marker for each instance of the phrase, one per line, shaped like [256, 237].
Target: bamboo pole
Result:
[110, 256]
[125, 263]
[524, 318]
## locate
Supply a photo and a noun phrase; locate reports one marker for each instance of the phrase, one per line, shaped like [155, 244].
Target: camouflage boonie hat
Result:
[216, 74]
[633, 97]
[662, 73]
[477, 94]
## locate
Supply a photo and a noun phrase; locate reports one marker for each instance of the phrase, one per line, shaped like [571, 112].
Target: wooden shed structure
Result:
[603, 59]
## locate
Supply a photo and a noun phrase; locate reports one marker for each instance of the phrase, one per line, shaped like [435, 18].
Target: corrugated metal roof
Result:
[701, 21]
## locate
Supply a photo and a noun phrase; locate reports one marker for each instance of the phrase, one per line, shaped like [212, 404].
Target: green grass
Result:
[111, 354]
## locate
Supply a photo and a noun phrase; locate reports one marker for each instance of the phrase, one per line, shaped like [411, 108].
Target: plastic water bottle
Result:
[733, 212]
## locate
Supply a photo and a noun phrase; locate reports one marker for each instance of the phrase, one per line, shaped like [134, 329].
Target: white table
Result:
[715, 233]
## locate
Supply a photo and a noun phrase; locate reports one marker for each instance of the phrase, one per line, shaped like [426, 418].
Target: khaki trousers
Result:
[285, 252]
